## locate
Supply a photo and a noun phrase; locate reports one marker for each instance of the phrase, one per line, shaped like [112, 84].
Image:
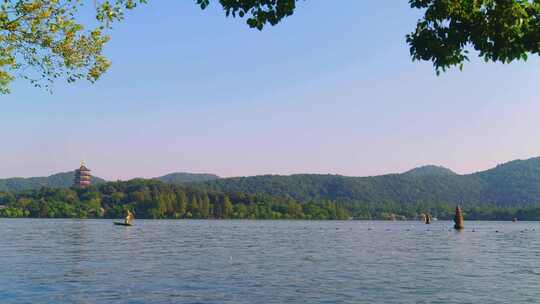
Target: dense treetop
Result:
[157, 200]
[153, 199]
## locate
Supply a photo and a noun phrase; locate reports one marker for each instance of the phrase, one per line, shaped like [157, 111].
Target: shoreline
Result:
[275, 220]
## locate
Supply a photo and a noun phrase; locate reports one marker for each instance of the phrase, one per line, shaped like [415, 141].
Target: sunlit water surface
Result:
[92, 261]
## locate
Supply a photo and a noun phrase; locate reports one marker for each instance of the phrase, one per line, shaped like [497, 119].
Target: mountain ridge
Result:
[186, 177]
[430, 170]
[515, 182]
[65, 180]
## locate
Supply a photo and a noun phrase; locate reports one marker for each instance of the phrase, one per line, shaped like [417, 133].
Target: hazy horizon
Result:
[324, 92]
[221, 176]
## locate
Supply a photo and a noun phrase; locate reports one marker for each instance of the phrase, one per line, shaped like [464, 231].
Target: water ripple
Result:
[92, 261]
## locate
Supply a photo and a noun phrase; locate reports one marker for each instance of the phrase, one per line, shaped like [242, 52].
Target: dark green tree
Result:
[181, 200]
[205, 206]
[194, 207]
[227, 208]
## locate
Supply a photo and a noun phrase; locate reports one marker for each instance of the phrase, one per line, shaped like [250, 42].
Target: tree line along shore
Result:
[153, 199]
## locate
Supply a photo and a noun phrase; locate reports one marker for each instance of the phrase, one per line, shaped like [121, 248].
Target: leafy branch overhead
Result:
[42, 40]
[499, 30]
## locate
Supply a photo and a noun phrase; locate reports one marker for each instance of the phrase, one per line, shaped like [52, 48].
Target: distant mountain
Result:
[430, 171]
[513, 183]
[183, 177]
[59, 180]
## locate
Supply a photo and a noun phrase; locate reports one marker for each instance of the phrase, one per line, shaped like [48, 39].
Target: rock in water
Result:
[458, 219]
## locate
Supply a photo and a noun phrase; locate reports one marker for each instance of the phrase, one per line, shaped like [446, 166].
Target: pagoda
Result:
[82, 176]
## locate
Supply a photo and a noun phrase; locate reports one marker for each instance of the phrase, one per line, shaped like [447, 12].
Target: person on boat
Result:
[129, 218]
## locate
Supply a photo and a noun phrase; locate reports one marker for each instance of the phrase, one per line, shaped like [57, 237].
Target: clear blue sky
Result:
[330, 90]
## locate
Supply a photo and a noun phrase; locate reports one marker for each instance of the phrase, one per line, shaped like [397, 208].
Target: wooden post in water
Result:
[458, 219]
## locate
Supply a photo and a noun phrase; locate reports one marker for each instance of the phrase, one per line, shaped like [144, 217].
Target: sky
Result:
[332, 89]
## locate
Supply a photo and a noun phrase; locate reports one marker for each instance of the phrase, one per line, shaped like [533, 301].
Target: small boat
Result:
[428, 219]
[122, 224]
[128, 221]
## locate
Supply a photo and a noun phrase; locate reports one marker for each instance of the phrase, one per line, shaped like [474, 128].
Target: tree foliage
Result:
[499, 30]
[42, 40]
[258, 13]
[157, 200]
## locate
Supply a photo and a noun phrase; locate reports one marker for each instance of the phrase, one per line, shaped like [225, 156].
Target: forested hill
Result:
[65, 180]
[513, 183]
[183, 177]
[59, 180]
[430, 170]
[507, 191]
[516, 183]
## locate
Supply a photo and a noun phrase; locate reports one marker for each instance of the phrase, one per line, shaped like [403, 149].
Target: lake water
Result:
[92, 261]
